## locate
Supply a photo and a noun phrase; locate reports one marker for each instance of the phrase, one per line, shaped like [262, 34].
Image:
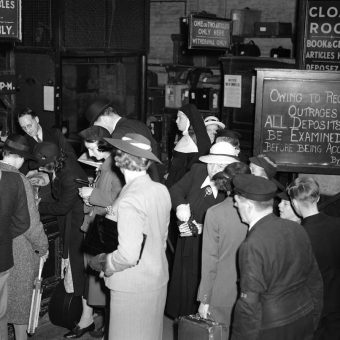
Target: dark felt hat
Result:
[266, 163]
[134, 144]
[283, 195]
[254, 187]
[94, 132]
[18, 145]
[96, 108]
[45, 153]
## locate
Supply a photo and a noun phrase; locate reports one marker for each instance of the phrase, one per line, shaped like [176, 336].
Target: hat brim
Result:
[23, 154]
[218, 159]
[220, 124]
[132, 150]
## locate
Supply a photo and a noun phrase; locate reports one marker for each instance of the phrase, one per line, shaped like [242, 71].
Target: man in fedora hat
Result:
[281, 286]
[15, 220]
[107, 114]
[191, 197]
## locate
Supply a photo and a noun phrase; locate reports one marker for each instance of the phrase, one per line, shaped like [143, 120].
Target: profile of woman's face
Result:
[212, 130]
[182, 121]
[287, 211]
[93, 150]
[214, 168]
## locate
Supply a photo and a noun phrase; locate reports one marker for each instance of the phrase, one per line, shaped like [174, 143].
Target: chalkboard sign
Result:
[209, 33]
[297, 119]
[319, 35]
[10, 19]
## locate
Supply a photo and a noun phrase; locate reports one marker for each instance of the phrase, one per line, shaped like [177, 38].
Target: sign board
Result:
[209, 33]
[7, 84]
[320, 35]
[10, 19]
[297, 119]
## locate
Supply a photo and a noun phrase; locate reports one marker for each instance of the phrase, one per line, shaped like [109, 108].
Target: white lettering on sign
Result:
[7, 4]
[5, 29]
[321, 12]
[7, 86]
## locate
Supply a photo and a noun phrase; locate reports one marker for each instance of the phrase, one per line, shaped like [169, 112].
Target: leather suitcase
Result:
[193, 327]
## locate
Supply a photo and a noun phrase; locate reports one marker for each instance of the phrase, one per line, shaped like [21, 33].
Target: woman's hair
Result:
[133, 163]
[103, 146]
[223, 179]
[304, 189]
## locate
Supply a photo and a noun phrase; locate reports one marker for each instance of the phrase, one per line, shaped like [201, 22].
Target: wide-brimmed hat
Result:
[95, 132]
[134, 144]
[45, 153]
[96, 108]
[254, 187]
[221, 153]
[266, 163]
[212, 120]
[18, 145]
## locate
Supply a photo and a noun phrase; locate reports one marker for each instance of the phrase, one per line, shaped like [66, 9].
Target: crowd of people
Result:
[262, 269]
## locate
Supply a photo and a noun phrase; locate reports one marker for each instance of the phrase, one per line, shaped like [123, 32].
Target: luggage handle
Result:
[198, 317]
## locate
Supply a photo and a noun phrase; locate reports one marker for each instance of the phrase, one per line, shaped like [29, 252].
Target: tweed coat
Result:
[222, 235]
[26, 251]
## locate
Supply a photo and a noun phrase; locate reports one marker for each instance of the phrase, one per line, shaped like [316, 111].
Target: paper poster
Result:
[232, 90]
[48, 98]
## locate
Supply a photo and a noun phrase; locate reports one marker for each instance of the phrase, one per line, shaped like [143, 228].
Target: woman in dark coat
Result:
[67, 205]
[194, 143]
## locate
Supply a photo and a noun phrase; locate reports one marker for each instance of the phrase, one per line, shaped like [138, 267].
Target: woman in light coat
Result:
[137, 271]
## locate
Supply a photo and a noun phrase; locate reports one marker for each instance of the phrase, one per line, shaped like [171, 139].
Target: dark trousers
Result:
[301, 329]
[329, 327]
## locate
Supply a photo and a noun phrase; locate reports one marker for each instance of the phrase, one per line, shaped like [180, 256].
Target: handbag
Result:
[64, 309]
[101, 237]
[195, 327]
[249, 49]
[280, 52]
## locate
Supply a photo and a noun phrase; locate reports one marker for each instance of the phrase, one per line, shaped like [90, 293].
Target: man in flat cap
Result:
[281, 286]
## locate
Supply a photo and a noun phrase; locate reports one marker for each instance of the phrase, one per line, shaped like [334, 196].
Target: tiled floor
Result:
[47, 331]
